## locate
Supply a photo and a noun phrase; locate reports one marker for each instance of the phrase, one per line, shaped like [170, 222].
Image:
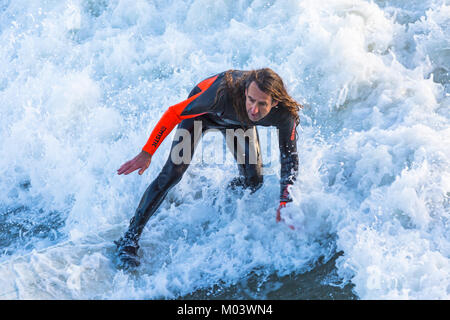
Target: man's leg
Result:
[245, 148]
[169, 176]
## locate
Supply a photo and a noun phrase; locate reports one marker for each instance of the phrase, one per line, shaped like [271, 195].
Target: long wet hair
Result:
[267, 80]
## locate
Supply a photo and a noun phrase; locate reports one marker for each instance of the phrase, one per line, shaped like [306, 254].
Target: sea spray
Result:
[83, 83]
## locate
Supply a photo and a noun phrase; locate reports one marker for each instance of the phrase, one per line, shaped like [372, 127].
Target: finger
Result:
[126, 163]
[127, 166]
[143, 170]
[131, 169]
[124, 169]
[278, 217]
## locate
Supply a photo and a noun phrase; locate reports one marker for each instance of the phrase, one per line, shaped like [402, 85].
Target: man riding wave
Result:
[229, 100]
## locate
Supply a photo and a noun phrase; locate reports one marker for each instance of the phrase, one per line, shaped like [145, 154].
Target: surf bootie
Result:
[241, 183]
[127, 252]
[237, 182]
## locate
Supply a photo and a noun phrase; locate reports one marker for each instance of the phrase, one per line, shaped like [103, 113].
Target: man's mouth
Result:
[253, 117]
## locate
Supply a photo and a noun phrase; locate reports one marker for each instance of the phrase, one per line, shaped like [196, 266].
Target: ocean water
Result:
[83, 82]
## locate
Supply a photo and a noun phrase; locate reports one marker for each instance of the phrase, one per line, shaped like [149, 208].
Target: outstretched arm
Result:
[200, 102]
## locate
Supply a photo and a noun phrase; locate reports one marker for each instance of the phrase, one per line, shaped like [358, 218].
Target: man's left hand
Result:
[278, 218]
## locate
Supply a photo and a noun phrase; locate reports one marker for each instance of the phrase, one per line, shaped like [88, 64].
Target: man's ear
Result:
[274, 103]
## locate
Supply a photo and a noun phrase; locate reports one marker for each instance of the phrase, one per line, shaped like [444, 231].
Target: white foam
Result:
[84, 82]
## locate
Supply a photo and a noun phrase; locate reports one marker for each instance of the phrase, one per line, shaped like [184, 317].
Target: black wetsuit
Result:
[200, 107]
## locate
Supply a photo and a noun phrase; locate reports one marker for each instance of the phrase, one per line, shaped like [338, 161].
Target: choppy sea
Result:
[83, 82]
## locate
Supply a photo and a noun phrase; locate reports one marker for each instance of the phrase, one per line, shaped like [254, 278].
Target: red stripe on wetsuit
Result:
[172, 117]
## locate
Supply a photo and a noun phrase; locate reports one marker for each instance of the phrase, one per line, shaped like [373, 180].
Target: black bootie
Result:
[127, 252]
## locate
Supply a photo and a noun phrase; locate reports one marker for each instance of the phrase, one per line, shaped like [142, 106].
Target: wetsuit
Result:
[200, 106]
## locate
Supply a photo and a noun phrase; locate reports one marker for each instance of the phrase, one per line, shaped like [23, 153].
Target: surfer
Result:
[230, 100]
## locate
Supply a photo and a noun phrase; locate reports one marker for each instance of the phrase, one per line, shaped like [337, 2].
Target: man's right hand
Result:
[141, 161]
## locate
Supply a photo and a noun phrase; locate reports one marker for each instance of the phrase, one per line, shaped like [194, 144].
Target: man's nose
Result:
[254, 109]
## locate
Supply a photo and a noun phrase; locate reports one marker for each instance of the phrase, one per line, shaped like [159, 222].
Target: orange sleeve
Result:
[172, 117]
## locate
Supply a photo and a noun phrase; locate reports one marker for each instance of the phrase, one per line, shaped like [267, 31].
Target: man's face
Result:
[258, 103]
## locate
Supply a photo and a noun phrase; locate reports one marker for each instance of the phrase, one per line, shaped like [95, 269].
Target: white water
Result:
[83, 82]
